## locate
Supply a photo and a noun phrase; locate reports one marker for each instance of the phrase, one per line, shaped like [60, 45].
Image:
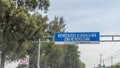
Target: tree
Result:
[39, 33]
[57, 25]
[71, 59]
[62, 56]
[48, 49]
[17, 26]
[32, 5]
[117, 65]
[55, 58]
[82, 65]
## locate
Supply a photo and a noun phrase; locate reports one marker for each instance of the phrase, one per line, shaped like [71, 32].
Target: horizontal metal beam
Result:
[109, 40]
[109, 35]
[42, 41]
[101, 36]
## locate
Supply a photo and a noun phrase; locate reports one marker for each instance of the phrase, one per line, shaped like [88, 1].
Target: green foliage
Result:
[18, 28]
[42, 26]
[4, 6]
[71, 59]
[34, 4]
[59, 56]
[82, 65]
[114, 66]
[57, 25]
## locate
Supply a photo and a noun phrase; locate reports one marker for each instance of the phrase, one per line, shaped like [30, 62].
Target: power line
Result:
[113, 47]
[111, 57]
[114, 54]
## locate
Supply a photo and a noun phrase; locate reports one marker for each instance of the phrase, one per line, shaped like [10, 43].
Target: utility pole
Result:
[103, 62]
[111, 61]
[100, 59]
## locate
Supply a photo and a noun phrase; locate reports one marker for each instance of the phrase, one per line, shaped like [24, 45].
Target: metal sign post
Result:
[38, 66]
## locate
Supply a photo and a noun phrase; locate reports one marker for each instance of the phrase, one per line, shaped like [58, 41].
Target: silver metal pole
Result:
[38, 66]
[28, 61]
[28, 66]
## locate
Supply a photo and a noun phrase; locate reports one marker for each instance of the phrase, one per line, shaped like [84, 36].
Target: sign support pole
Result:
[28, 62]
[28, 66]
[38, 66]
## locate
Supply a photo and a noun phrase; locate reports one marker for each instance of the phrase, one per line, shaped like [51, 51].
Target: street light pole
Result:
[38, 66]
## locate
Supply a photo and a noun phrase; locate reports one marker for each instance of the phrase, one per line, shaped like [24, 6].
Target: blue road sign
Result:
[77, 37]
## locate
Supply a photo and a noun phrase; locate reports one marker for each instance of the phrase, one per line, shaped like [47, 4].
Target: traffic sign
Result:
[77, 37]
[24, 61]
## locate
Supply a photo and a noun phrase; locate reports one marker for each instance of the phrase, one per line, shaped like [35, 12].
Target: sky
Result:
[90, 16]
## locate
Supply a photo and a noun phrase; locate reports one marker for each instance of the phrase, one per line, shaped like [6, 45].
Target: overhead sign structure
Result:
[77, 37]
